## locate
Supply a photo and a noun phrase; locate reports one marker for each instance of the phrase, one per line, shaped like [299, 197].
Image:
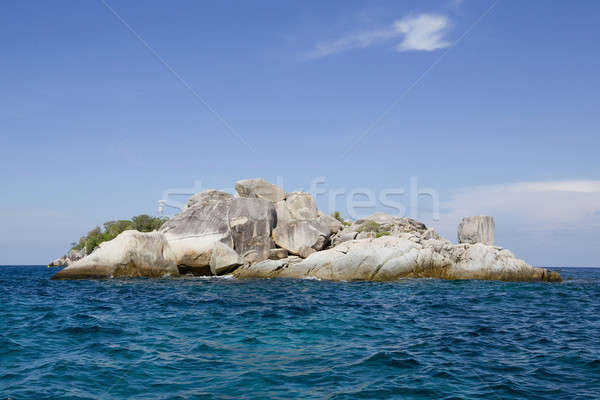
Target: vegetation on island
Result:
[338, 216]
[372, 226]
[111, 229]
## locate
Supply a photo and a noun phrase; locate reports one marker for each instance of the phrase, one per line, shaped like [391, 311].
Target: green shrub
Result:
[369, 226]
[338, 216]
[112, 229]
[382, 233]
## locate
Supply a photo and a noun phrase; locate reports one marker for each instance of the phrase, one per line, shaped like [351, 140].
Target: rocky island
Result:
[264, 232]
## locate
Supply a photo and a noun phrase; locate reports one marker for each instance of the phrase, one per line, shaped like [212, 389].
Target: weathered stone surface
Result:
[71, 257]
[251, 221]
[321, 243]
[207, 196]
[390, 223]
[265, 269]
[366, 235]
[300, 225]
[206, 215]
[306, 251]
[334, 225]
[131, 254]
[343, 236]
[259, 188]
[224, 259]
[478, 229]
[75, 255]
[59, 262]
[193, 232]
[283, 213]
[301, 206]
[298, 234]
[391, 258]
[278, 254]
[212, 217]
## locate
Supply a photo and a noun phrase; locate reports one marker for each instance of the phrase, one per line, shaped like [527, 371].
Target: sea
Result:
[222, 338]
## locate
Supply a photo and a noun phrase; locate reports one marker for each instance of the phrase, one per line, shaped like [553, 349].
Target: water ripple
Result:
[223, 338]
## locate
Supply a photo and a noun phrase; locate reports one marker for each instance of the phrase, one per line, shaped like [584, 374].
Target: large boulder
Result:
[223, 259]
[59, 262]
[478, 229]
[193, 233]
[301, 229]
[211, 218]
[296, 235]
[75, 255]
[71, 257]
[259, 188]
[334, 225]
[390, 258]
[342, 236]
[131, 254]
[207, 196]
[251, 221]
[301, 206]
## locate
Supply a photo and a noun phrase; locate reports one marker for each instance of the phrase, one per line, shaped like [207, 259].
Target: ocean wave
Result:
[219, 337]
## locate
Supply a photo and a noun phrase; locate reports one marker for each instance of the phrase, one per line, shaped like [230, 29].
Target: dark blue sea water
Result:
[222, 338]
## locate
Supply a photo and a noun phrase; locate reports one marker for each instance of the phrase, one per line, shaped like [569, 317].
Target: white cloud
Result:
[424, 32]
[581, 186]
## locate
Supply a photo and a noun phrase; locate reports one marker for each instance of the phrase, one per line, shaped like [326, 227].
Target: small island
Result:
[264, 232]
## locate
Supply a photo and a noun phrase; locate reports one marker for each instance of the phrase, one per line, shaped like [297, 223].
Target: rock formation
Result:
[390, 258]
[259, 188]
[476, 230]
[251, 221]
[267, 233]
[66, 260]
[131, 254]
[193, 233]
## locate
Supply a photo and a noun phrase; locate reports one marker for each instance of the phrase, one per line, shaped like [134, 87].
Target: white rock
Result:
[223, 259]
[295, 235]
[334, 225]
[301, 206]
[131, 254]
[391, 258]
[344, 235]
[478, 229]
[251, 221]
[259, 188]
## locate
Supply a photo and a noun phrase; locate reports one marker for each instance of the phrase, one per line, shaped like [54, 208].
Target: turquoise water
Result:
[222, 338]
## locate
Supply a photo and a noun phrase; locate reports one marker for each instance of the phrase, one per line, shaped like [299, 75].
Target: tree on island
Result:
[142, 223]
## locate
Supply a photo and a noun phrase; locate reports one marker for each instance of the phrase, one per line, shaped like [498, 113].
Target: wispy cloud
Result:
[424, 32]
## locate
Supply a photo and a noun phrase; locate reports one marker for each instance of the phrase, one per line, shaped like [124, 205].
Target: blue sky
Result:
[495, 106]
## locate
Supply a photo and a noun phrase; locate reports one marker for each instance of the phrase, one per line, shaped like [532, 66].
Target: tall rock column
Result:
[478, 229]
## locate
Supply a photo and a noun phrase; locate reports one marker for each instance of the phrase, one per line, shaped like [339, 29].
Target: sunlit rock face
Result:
[391, 258]
[259, 188]
[131, 254]
[478, 229]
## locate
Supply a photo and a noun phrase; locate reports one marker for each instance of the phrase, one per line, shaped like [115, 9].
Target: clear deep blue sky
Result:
[94, 127]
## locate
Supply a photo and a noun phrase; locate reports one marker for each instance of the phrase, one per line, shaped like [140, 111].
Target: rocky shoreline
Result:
[264, 232]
